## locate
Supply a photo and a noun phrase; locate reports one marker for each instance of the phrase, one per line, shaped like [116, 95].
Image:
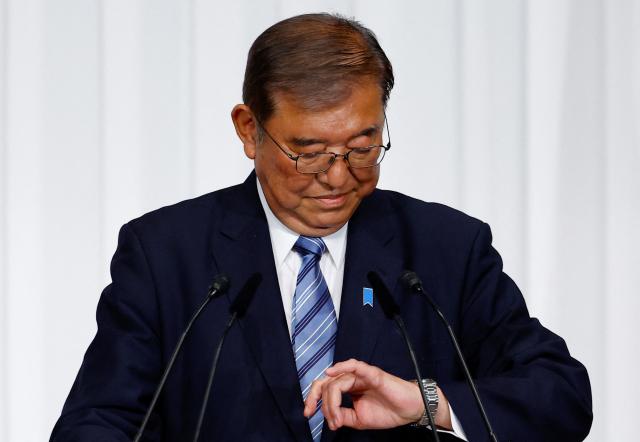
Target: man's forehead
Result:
[345, 120]
[311, 102]
[286, 104]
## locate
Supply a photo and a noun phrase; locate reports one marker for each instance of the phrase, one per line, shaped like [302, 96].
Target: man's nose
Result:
[338, 174]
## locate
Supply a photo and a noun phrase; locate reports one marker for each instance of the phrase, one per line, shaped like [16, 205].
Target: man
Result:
[311, 222]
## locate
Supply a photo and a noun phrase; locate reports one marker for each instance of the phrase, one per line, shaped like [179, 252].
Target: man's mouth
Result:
[331, 201]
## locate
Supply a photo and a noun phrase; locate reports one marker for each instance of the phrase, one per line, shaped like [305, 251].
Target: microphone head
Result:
[219, 285]
[242, 301]
[384, 297]
[411, 281]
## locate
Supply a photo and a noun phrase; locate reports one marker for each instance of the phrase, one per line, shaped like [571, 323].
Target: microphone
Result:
[412, 282]
[219, 286]
[238, 309]
[392, 311]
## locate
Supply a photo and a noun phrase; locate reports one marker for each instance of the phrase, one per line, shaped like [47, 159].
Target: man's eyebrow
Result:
[368, 132]
[303, 142]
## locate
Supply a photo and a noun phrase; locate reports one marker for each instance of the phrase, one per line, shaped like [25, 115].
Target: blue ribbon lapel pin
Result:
[367, 296]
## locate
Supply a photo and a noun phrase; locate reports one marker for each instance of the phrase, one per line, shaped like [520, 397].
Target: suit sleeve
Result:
[531, 388]
[123, 363]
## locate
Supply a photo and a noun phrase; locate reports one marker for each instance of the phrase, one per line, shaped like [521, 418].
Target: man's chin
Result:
[330, 224]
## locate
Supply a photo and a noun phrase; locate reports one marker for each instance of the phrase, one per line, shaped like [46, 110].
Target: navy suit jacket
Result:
[533, 390]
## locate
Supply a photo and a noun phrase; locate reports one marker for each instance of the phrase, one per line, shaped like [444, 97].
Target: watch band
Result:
[430, 388]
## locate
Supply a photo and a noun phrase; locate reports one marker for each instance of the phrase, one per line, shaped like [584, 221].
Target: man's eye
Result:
[310, 155]
[361, 142]
[311, 149]
[363, 149]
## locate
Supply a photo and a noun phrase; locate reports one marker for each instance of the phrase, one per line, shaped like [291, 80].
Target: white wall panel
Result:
[4, 408]
[620, 301]
[421, 40]
[289, 8]
[492, 122]
[72, 191]
[26, 285]
[125, 162]
[221, 42]
[566, 181]
[147, 102]
[546, 51]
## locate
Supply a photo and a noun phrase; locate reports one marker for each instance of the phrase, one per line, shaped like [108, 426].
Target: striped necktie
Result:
[314, 323]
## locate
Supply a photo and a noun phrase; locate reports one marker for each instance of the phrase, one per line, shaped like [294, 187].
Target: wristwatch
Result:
[430, 387]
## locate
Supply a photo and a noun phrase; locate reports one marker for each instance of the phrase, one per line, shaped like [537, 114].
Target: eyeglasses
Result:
[318, 162]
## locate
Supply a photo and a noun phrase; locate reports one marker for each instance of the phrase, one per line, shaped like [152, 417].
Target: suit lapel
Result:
[371, 246]
[240, 247]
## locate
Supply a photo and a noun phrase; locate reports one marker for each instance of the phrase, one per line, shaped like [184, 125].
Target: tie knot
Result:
[306, 245]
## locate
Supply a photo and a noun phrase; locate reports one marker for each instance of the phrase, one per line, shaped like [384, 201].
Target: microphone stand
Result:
[217, 288]
[392, 311]
[412, 282]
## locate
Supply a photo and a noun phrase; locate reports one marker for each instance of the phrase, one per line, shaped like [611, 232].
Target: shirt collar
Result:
[283, 238]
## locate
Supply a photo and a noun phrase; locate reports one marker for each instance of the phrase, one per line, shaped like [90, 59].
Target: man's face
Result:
[319, 204]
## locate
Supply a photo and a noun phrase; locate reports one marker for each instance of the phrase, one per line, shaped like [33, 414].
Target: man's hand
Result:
[380, 400]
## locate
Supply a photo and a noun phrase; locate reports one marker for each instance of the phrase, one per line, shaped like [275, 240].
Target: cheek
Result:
[367, 179]
[295, 185]
[273, 169]
[285, 184]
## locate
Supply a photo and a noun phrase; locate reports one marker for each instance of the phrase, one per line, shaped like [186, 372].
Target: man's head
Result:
[315, 59]
[315, 83]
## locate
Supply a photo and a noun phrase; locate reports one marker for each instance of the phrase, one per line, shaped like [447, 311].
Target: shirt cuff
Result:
[457, 430]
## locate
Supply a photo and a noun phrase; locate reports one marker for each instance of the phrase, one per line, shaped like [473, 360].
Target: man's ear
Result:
[246, 128]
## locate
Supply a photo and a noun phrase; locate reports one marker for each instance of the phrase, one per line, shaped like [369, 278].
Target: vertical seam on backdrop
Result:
[4, 35]
[101, 133]
[604, 256]
[524, 115]
[458, 39]
[191, 87]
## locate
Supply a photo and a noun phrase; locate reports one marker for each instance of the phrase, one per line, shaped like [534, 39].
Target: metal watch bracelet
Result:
[430, 387]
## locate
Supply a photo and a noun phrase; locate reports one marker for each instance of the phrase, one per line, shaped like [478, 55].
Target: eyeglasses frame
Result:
[345, 156]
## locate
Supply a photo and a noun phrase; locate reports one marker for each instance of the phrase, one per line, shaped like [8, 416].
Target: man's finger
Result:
[348, 418]
[351, 366]
[315, 394]
[365, 374]
[348, 366]
[332, 396]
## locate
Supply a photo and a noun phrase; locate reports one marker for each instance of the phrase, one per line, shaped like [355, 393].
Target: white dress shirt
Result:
[331, 264]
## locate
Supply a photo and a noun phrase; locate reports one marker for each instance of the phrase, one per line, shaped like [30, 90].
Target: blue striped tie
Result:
[314, 323]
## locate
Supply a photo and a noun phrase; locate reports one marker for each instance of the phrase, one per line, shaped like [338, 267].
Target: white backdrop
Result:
[525, 114]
